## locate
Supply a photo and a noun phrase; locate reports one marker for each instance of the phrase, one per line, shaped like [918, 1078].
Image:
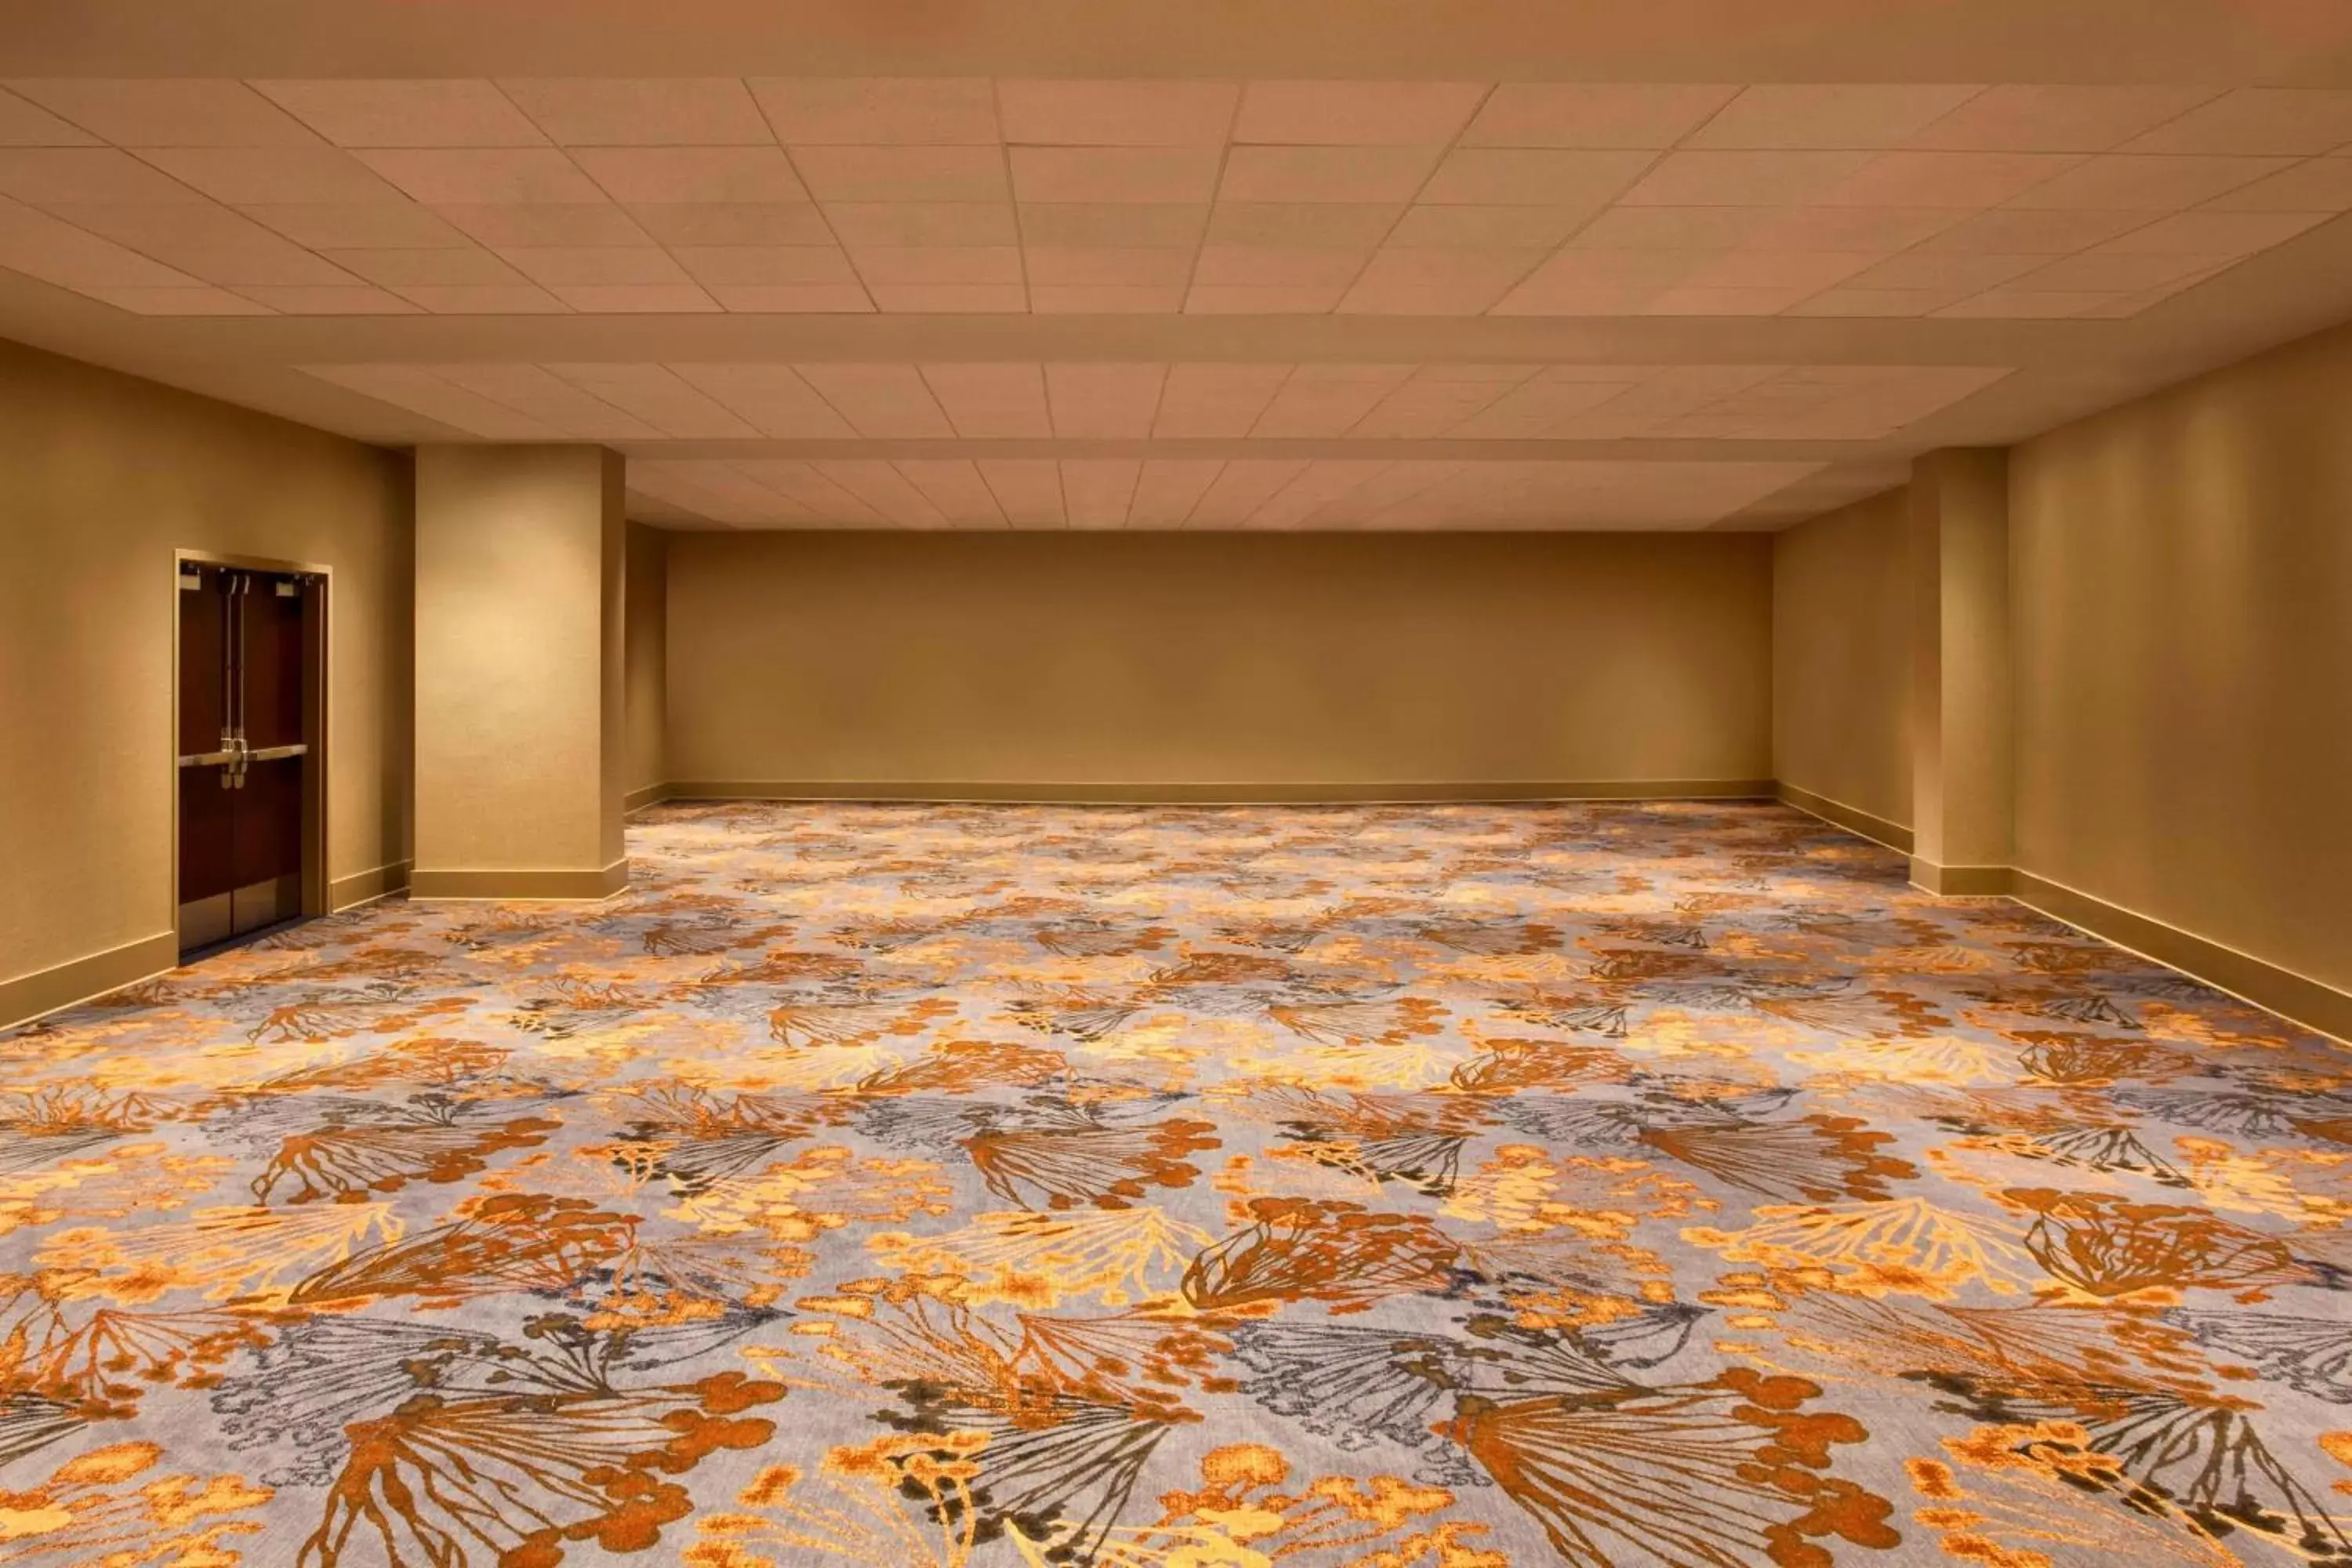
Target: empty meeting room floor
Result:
[1419, 1186]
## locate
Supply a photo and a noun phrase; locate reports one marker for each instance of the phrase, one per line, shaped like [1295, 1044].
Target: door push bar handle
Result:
[239, 758]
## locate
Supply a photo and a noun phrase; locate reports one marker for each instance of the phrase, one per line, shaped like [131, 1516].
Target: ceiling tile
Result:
[2019, 304]
[1434, 402]
[55, 251]
[992, 401]
[951, 298]
[411, 113]
[1096, 491]
[1028, 490]
[2137, 182]
[1425, 281]
[1205, 401]
[1543, 296]
[1326, 486]
[1680, 229]
[1129, 113]
[417, 389]
[1356, 113]
[793, 298]
[1083, 224]
[544, 223]
[1724, 301]
[939, 264]
[1261, 266]
[1848, 300]
[482, 299]
[1154, 174]
[1325, 173]
[1548, 114]
[1936, 179]
[1967, 271]
[2019, 232]
[1105, 299]
[692, 174]
[2321, 186]
[538, 393]
[1832, 116]
[1609, 268]
[1108, 265]
[1167, 488]
[47, 177]
[657, 396]
[1341, 225]
[1324, 400]
[1499, 228]
[23, 125]
[169, 111]
[595, 263]
[195, 302]
[737, 265]
[2275, 120]
[815, 498]
[2056, 119]
[483, 175]
[955, 488]
[879, 400]
[883, 488]
[1533, 177]
[937, 111]
[923, 223]
[641, 111]
[238, 176]
[1807, 270]
[1745, 179]
[402, 267]
[772, 398]
[207, 242]
[1843, 229]
[2114, 272]
[855, 173]
[2210, 233]
[1103, 402]
[733, 222]
[1241, 487]
[364, 225]
[634, 299]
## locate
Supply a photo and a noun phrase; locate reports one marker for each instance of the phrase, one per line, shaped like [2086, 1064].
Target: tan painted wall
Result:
[1348, 660]
[520, 711]
[101, 477]
[1842, 658]
[2181, 596]
[645, 656]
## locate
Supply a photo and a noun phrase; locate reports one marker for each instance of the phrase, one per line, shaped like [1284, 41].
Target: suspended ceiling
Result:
[1687, 264]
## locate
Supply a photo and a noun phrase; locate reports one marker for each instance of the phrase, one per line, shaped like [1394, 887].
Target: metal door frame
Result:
[317, 712]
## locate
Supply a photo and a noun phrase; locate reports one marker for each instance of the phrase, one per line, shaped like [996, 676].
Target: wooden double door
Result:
[250, 731]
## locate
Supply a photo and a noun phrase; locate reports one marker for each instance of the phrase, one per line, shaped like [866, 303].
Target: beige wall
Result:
[2182, 603]
[101, 477]
[521, 708]
[1842, 658]
[1351, 660]
[646, 657]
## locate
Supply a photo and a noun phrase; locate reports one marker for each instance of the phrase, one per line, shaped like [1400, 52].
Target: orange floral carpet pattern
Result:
[1368, 1188]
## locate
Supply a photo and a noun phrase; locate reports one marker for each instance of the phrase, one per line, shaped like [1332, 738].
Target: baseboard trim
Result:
[651, 795]
[46, 991]
[2298, 998]
[520, 887]
[367, 887]
[1404, 793]
[1960, 881]
[1837, 814]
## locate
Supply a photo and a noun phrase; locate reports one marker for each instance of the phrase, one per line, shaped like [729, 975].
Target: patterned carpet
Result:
[1388, 1187]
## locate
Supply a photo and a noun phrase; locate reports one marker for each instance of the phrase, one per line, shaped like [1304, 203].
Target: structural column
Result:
[520, 723]
[1961, 776]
